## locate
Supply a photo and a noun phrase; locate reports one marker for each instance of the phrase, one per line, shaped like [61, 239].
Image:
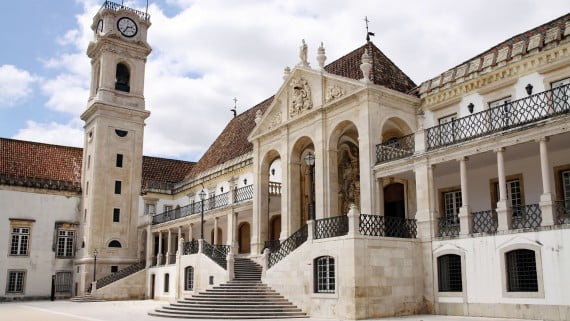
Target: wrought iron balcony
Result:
[485, 221]
[562, 211]
[110, 5]
[510, 115]
[526, 216]
[395, 149]
[330, 227]
[387, 226]
[243, 193]
[449, 225]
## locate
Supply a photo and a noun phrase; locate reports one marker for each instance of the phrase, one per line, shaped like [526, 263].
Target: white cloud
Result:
[15, 85]
[52, 133]
[214, 50]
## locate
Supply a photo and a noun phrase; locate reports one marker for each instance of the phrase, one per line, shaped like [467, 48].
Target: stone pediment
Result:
[303, 91]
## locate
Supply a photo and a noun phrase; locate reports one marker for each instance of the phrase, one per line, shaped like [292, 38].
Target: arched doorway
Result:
[244, 239]
[275, 228]
[218, 240]
[395, 200]
[344, 156]
[300, 183]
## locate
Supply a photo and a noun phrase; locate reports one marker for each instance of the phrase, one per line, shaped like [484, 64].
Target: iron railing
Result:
[172, 214]
[272, 245]
[215, 254]
[562, 211]
[513, 114]
[116, 7]
[395, 149]
[288, 246]
[243, 193]
[274, 188]
[526, 216]
[330, 227]
[190, 247]
[218, 201]
[448, 225]
[485, 221]
[223, 248]
[387, 226]
[120, 274]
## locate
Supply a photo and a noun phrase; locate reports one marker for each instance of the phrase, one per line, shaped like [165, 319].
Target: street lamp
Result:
[310, 161]
[202, 195]
[95, 264]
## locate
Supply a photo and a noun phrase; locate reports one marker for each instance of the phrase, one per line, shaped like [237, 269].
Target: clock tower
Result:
[112, 153]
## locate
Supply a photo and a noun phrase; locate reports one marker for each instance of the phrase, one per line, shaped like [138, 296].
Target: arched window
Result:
[189, 278]
[521, 271]
[324, 274]
[122, 78]
[449, 273]
[115, 243]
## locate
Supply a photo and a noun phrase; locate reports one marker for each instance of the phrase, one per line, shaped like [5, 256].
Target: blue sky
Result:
[206, 52]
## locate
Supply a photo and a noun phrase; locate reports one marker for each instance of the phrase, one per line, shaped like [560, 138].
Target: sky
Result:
[206, 52]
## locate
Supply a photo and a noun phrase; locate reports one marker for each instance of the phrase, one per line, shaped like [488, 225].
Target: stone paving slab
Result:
[137, 311]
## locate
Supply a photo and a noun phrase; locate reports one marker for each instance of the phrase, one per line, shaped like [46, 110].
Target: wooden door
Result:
[244, 238]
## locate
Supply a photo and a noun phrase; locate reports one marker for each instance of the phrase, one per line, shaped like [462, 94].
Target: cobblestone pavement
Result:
[137, 311]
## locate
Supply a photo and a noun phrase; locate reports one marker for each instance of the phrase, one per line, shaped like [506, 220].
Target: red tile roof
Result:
[31, 164]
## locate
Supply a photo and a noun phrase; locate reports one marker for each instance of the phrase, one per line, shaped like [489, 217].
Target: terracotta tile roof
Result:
[31, 164]
[163, 171]
[40, 165]
[232, 141]
[384, 72]
[545, 36]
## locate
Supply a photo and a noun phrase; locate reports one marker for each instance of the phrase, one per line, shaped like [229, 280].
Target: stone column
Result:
[310, 231]
[465, 218]
[231, 227]
[546, 199]
[353, 221]
[215, 240]
[179, 234]
[159, 255]
[149, 246]
[504, 214]
[230, 265]
[168, 246]
[380, 196]
[260, 204]
[190, 226]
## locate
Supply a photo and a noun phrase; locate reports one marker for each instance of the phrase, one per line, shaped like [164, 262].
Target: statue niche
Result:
[348, 176]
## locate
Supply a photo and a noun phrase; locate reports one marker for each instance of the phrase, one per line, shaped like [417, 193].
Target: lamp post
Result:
[310, 161]
[202, 195]
[95, 264]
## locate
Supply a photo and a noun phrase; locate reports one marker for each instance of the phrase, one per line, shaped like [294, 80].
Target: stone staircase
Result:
[245, 297]
[87, 297]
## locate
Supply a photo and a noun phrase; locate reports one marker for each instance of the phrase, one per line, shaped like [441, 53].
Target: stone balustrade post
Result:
[230, 261]
[93, 287]
[353, 220]
[310, 230]
[546, 199]
[201, 246]
[465, 217]
[265, 262]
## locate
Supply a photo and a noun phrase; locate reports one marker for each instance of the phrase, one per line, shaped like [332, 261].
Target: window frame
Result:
[20, 236]
[539, 273]
[116, 215]
[118, 187]
[58, 285]
[439, 263]
[23, 283]
[330, 287]
[66, 246]
[166, 283]
[188, 280]
[119, 160]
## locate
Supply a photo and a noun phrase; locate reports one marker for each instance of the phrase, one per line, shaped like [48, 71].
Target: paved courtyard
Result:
[136, 311]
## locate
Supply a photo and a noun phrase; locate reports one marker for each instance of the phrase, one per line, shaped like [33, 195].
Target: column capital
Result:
[499, 149]
[463, 158]
[542, 139]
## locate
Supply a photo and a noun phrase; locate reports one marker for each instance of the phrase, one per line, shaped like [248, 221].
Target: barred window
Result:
[324, 274]
[65, 242]
[166, 283]
[521, 271]
[449, 273]
[189, 278]
[16, 281]
[63, 282]
[20, 240]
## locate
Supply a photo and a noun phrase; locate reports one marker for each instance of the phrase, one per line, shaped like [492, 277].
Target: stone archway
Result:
[344, 165]
[244, 238]
[300, 187]
[218, 239]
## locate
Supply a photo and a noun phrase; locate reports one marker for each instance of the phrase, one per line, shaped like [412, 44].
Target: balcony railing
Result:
[513, 114]
[526, 216]
[243, 193]
[330, 227]
[485, 221]
[562, 211]
[116, 7]
[387, 226]
[190, 247]
[272, 245]
[395, 149]
[448, 225]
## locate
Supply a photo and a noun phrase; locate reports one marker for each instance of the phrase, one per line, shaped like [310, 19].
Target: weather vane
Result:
[368, 33]
[234, 110]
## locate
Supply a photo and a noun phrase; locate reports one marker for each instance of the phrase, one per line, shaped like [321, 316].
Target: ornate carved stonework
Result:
[348, 176]
[275, 120]
[333, 93]
[300, 97]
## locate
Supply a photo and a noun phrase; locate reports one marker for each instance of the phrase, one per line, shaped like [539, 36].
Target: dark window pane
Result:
[119, 161]
[449, 273]
[117, 187]
[521, 271]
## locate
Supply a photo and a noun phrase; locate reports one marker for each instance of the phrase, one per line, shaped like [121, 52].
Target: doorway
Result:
[395, 201]
[244, 238]
[152, 286]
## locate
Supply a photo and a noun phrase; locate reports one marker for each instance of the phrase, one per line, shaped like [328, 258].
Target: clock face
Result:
[127, 27]
[100, 26]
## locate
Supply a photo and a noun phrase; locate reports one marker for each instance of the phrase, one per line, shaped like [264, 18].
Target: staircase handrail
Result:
[287, 246]
[215, 254]
[131, 269]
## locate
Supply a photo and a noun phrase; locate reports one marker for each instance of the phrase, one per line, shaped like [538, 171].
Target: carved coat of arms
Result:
[300, 97]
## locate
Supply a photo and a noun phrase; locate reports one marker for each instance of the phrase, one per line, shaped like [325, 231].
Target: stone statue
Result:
[303, 54]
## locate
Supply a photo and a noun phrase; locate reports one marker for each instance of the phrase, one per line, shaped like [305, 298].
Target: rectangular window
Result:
[452, 203]
[114, 268]
[16, 282]
[119, 161]
[116, 214]
[117, 187]
[449, 273]
[167, 208]
[63, 281]
[65, 242]
[324, 275]
[20, 241]
[166, 283]
[149, 209]
[514, 193]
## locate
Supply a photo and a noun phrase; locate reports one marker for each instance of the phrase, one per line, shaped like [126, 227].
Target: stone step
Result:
[236, 300]
[240, 291]
[224, 315]
[253, 308]
[86, 298]
[242, 305]
[227, 317]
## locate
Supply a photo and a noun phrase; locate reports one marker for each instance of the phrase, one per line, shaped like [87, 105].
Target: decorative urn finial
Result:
[321, 57]
[366, 66]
